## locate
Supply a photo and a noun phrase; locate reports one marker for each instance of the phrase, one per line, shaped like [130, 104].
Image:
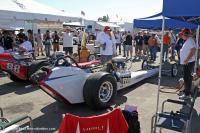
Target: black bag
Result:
[132, 120]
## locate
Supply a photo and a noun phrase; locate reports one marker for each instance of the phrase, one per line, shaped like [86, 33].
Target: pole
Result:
[160, 71]
[197, 51]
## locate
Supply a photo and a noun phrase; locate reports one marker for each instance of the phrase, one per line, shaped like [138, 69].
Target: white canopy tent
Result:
[12, 11]
[101, 25]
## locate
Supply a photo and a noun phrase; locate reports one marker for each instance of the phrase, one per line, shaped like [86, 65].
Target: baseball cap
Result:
[185, 31]
[107, 28]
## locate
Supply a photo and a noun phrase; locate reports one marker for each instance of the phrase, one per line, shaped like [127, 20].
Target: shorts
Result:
[68, 50]
[105, 58]
[56, 47]
[39, 44]
[138, 48]
[129, 48]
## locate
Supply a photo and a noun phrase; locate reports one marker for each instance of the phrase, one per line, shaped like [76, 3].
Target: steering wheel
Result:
[65, 61]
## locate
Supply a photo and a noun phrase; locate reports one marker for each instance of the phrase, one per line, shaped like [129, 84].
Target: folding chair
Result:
[9, 126]
[176, 121]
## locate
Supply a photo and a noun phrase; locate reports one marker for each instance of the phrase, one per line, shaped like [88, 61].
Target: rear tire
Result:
[99, 90]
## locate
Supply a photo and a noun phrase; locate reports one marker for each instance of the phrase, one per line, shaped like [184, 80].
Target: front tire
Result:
[15, 78]
[100, 90]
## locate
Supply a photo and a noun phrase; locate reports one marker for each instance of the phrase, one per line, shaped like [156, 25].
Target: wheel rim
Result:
[105, 91]
[91, 57]
[175, 71]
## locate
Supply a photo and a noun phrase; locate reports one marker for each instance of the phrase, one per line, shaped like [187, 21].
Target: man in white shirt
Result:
[68, 41]
[106, 45]
[26, 46]
[187, 59]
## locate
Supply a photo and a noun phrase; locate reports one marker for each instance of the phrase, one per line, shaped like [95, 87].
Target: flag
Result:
[82, 13]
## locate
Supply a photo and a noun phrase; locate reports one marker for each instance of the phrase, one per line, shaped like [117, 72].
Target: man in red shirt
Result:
[166, 45]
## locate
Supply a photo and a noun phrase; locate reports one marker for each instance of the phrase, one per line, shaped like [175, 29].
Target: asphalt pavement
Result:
[16, 100]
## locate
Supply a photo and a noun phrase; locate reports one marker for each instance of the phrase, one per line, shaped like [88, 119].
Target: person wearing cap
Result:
[68, 41]
[187, 59]
[106, 45]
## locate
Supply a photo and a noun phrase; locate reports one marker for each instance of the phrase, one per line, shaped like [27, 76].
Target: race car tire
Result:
[145, 65]
[36, 66]
[174, 70]
[99, 90]
[15, 78]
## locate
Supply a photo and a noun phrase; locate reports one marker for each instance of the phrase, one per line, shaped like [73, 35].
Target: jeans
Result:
[47, 50]
[188, 69]
[153, 51]
[165, 51]
[173, 51]
[118, 45]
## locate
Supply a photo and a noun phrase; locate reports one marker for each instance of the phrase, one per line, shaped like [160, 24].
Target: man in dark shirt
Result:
[128, 44]
[146, 37]
[139, 42]
[7, 41]
[20, 36]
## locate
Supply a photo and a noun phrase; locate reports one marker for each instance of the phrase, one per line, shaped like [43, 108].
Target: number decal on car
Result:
[13, 67]
[125, 80]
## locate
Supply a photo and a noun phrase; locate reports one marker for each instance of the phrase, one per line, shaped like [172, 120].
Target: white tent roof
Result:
[108, 24]
[30, 10]
[78, 24]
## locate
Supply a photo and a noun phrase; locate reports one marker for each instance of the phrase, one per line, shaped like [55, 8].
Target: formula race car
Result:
[85, 82]
[19, 66]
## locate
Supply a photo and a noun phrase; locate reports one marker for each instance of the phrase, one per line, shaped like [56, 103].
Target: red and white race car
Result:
[19, 67]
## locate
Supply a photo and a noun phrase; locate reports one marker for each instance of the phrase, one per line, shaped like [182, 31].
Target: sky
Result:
[117, 10]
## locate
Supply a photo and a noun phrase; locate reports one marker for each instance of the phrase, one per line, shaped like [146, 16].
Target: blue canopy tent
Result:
[184, 10]
[155, 22]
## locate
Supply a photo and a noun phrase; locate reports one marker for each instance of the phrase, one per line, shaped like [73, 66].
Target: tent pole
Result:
[160, 71]
[197, 51]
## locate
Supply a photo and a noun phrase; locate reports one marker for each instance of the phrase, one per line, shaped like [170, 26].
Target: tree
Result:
[104, 18]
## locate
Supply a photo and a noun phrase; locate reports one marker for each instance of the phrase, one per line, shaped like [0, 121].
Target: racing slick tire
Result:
[15, 78]
[174, 70]
[100, 90]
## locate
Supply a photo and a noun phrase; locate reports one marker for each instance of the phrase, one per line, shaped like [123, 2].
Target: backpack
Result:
[132, 120]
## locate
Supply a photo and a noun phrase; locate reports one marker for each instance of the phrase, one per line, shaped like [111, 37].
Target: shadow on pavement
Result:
[52, 116]
[18, 88]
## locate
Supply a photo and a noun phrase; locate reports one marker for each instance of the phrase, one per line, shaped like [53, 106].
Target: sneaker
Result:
[184, 97]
